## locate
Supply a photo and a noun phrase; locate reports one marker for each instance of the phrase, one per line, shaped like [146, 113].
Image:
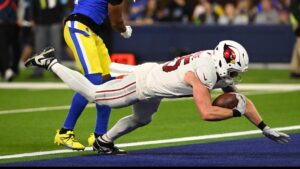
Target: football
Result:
[226, 100]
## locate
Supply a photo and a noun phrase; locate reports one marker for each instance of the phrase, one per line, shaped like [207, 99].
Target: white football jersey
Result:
[167, 80]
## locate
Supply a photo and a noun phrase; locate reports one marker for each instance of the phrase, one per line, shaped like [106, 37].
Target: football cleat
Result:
[91, 139]
[68, 140]
[46, 59]
[104, 147]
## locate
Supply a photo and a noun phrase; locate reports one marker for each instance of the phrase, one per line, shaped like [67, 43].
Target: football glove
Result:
[241, 107]
[127, 34]
[275, 135]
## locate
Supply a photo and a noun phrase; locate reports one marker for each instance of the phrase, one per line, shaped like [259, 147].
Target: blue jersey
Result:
[97, 10]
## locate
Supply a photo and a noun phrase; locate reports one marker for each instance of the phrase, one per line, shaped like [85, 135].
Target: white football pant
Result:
[115, 94]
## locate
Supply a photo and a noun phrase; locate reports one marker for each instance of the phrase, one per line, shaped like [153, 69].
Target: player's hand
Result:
[127, 34]
[241, 107]
[276, 135]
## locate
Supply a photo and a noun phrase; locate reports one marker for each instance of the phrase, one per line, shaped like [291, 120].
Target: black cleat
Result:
[46, 59]
[107, 148]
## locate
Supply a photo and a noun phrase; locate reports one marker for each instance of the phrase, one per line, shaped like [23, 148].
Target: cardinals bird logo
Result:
[229, 54]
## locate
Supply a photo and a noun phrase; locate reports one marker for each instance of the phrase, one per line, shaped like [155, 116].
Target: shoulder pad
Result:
[207, 75]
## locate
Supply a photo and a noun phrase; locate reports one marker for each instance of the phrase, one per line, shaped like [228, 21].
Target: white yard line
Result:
[144, 143]
[39, 109]
[33, 86]
[269, 87]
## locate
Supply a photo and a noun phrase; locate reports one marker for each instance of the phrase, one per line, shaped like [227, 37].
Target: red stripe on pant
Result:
[114, 90]
[114, 98]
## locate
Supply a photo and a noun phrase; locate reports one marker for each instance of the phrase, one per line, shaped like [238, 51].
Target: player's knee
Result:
[143, 122]
[146, 122]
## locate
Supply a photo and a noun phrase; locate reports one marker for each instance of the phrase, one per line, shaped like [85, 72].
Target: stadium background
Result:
[32, 108]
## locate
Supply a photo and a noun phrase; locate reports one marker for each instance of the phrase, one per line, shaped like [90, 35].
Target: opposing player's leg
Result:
[93, 60]
[142, 115]
[103, 112]
[77, 106]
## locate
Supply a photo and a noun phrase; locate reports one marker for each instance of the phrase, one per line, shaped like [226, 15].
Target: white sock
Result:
[122, 127]
[106, 139]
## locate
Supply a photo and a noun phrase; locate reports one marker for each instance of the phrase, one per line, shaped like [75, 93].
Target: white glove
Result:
[275, 135]
[241, 107]
[127, 33]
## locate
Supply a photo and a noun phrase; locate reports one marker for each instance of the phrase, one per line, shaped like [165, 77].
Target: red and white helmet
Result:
[230, 56]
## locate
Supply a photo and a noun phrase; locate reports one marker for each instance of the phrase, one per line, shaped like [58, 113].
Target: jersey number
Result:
[174, 65]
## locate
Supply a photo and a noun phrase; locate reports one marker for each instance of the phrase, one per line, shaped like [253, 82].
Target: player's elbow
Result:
[207, 115]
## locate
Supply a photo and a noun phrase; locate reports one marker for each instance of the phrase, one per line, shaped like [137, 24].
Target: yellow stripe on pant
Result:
[89, 50]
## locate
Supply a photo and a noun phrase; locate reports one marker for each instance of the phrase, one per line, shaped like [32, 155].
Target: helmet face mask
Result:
[233, 77]
[230, 59]
[233, 74]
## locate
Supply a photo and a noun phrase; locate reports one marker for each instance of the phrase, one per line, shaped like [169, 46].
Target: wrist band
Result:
[236, 113]
[261, 125]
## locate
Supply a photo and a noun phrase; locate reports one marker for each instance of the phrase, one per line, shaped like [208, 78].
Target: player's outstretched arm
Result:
[252, 114]
[245, 106]
[203, 101]
[254, 117]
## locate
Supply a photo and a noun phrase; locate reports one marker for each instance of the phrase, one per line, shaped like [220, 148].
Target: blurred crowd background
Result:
[209, 12]
[28, 26]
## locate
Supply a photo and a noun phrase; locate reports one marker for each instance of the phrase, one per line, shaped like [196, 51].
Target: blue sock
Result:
[78, 105]
[103, 114]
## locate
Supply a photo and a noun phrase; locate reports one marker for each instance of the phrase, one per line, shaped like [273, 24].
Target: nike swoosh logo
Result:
[204, 77]
[41, 59]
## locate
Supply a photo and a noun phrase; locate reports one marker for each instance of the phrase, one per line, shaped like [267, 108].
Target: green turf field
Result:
[34, 131]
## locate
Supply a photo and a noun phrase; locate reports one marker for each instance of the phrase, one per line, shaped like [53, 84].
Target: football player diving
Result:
[145, 85]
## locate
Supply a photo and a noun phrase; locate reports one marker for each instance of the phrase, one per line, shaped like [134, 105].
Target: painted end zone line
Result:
[184, 139]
